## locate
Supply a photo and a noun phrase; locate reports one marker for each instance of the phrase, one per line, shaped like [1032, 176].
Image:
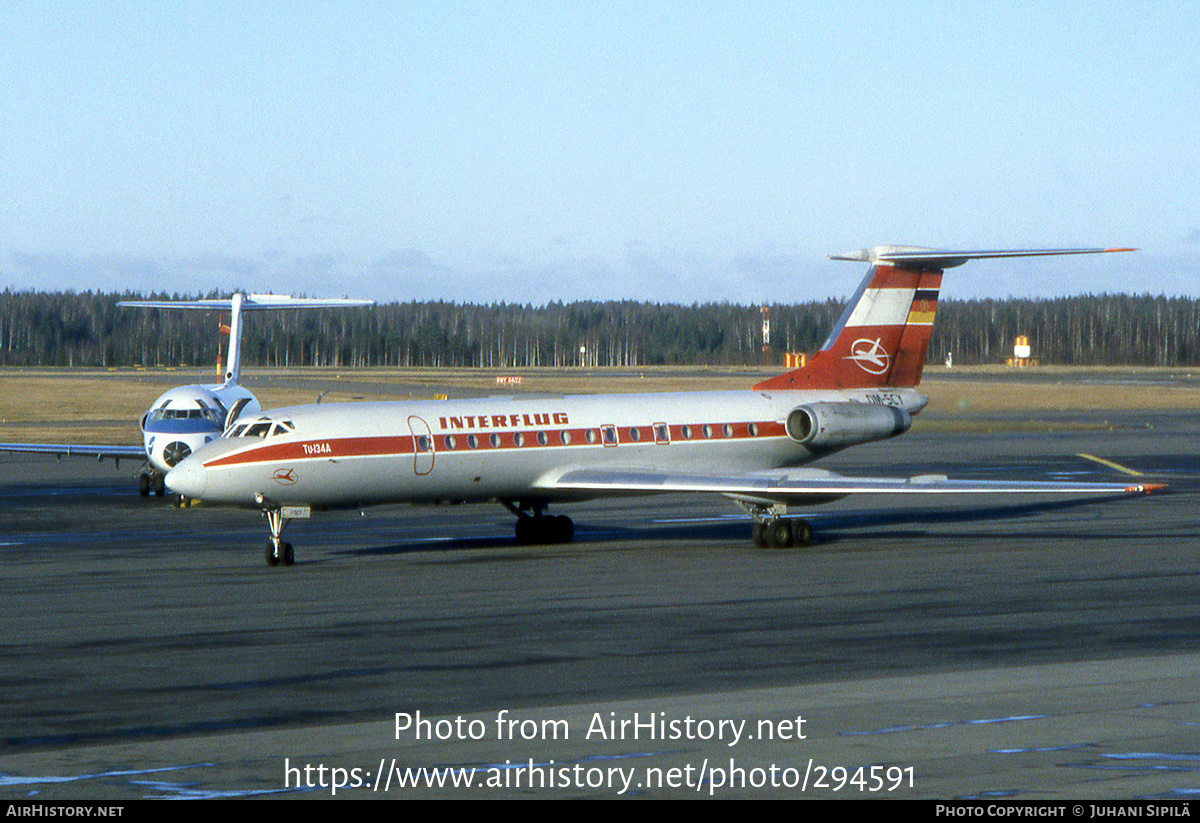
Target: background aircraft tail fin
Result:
[239, 303]
[882, 336]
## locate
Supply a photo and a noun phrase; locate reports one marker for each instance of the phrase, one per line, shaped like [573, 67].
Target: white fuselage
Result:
[509, 447]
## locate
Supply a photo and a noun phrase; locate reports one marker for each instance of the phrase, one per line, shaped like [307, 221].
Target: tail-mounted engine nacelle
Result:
[823, 426]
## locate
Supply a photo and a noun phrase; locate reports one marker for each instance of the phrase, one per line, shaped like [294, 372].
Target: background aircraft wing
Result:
[811, 486]
[77, 450]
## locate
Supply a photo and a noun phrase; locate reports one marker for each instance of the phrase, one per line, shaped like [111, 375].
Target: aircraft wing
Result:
[807, 486]
[73, 449]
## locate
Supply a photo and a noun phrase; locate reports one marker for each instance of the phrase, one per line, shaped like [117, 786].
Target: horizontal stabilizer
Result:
[250, 302]
[239, 303]
[918, 257]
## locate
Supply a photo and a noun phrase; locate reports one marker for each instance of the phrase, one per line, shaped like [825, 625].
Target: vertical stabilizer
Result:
[883, 335]
[233, 360]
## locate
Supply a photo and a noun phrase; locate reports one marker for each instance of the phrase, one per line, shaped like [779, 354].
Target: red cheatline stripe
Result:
[396, 445]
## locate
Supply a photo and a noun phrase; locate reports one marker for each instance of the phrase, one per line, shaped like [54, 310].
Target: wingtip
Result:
[1120, 249]
[1145, 488]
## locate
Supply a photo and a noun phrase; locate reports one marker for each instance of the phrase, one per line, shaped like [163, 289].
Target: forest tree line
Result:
[88, 329]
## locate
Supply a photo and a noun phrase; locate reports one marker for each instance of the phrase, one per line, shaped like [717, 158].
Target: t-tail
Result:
[882, 337]
[239, 303]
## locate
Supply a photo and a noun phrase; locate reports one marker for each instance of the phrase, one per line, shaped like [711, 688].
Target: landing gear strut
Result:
[277, 550]
[539, 528]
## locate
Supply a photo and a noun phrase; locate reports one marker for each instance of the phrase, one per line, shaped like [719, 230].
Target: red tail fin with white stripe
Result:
[882, 337]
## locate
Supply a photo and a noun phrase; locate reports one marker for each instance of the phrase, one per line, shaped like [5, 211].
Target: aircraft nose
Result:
[187, 478]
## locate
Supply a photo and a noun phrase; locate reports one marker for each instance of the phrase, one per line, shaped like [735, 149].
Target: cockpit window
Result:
[211, 414]
[263, 427]
[258, 429]
[204, 413]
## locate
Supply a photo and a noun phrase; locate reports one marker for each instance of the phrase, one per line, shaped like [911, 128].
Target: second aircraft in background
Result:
[186, 417]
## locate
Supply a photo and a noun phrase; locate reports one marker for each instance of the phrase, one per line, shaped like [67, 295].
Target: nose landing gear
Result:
[278, 552]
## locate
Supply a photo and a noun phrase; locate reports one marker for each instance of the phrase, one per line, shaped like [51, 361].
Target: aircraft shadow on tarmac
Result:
[829, 528]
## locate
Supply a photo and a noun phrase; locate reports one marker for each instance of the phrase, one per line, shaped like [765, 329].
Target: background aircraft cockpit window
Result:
[201, 413]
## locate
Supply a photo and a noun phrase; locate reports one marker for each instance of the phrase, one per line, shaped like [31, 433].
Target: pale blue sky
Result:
[539, 151]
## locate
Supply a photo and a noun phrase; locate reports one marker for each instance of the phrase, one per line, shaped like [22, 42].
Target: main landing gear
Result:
[781, 533]
[277, 550]
[771, 530]
[151, 480]
[536, 528]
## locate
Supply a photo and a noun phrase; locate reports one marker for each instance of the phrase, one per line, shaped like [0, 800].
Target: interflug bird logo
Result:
[869, 356]
[285, 477]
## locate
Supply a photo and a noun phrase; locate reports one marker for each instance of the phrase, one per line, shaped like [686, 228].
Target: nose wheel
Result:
[278, 552]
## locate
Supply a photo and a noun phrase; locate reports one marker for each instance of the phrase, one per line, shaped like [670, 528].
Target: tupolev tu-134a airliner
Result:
[528, 453]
